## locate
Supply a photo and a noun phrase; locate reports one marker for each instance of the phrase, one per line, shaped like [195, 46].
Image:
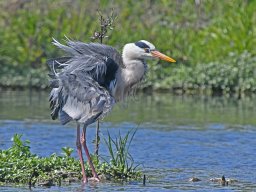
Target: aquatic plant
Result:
[121, 164]
[19, 166]
[106, 23]
[67, 151]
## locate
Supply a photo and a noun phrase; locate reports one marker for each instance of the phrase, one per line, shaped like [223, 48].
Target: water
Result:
[177, 138]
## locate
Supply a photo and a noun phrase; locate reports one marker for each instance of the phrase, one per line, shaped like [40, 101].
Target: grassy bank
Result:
[233, 76]
[208, 39]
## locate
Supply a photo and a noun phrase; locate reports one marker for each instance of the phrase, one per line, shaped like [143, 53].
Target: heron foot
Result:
[85, 180]
[94, 179]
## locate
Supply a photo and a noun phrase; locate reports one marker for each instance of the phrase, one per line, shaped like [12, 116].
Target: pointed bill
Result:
[162, 56]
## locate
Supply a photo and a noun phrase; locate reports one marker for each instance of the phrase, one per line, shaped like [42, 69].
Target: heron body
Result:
[91, 79]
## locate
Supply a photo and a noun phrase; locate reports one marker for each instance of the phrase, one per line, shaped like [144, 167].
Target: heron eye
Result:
[147, 50]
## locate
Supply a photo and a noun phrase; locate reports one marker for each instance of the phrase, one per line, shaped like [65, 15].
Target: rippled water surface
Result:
[177, 138]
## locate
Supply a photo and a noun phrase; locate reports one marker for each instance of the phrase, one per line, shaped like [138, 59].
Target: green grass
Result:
[194, 34]
[121, 162]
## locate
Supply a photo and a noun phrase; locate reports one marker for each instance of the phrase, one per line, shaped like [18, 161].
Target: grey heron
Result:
[91, 79]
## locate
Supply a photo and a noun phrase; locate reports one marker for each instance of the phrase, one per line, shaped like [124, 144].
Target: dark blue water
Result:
[169, 150]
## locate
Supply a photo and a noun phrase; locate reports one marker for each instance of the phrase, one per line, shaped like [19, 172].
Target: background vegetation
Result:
[213, 41]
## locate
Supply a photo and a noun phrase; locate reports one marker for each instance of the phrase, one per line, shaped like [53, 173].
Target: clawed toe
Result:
[85, 180]
[95, 179]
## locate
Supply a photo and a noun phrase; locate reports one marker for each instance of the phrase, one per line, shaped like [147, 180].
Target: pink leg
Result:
[83, 142]
[79, 150]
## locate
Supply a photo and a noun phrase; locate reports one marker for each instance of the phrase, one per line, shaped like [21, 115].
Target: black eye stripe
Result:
[142, 45]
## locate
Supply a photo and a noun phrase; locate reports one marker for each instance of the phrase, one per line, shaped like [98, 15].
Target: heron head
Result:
[145, 50]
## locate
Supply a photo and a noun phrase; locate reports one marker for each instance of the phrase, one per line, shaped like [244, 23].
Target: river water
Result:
[178, 137]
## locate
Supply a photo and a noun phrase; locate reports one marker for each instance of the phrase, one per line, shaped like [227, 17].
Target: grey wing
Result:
[98, 60]
[77, 48]
[91, 48]
[80, 91]
[79, 98]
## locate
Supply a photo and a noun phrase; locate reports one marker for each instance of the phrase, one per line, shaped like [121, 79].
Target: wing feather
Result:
[81, 86]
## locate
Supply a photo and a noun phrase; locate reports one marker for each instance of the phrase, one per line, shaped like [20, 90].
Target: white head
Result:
[143, 50]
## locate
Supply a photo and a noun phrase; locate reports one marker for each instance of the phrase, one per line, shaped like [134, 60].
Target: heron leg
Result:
[83, 142]
[97, 140]
[79, 150]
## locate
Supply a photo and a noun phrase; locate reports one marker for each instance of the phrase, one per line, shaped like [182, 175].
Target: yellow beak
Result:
[162, 56]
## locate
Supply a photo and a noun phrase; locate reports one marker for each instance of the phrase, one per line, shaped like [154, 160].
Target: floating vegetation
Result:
[223, 181]
[194, 179]
[18, 166]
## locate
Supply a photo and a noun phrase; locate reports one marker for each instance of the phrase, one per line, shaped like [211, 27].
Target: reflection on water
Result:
[165, 109]
[178, 138]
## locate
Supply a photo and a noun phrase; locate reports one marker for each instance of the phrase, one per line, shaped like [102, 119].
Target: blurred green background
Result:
[212, 41]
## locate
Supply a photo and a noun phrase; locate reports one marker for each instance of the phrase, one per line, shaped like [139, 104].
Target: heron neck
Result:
[129, 77]
[134, 71]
